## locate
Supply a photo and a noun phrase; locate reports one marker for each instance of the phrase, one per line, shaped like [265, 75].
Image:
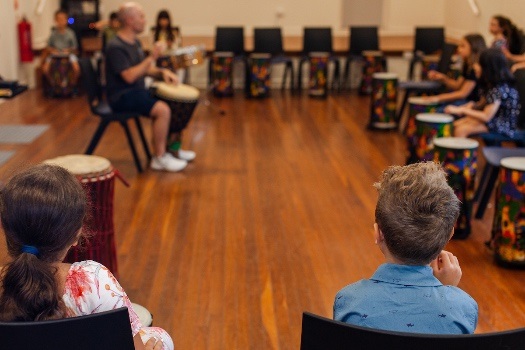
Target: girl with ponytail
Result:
[42, 210]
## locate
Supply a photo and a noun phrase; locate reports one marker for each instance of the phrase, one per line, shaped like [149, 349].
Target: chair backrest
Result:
[230, 39]
[317, 40]
[429, 39]
[102, 331]
[322, 333]
[446, 57]
[268, 40]
[520, 86]
[90, 81]
[363, 39]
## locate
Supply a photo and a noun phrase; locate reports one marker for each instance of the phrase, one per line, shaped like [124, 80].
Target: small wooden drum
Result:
[182, 100]
[372, 63]
[318, 82]
[459, 158]
[384, 101]
[145, 317]
[429, 127]
[259, 76]
[62, 77]
[428, 63]
[97, 176]
[222, 73]
[509, 221]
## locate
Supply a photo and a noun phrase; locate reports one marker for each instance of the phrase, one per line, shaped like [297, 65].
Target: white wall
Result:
[401, 16]
[8, 41]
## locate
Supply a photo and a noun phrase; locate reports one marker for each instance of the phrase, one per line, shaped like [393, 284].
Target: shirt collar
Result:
[406, 275]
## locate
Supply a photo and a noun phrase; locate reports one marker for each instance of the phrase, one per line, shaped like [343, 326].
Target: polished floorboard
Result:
[273, 217]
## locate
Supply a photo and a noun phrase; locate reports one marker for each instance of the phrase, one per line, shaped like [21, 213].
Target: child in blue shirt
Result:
[416, 289]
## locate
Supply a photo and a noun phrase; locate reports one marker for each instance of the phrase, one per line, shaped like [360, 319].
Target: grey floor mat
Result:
[21, 133]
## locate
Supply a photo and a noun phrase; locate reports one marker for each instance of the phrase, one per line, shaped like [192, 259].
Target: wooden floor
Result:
[272, 219]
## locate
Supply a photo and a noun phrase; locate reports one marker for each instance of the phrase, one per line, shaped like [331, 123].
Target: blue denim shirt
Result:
[406, 298]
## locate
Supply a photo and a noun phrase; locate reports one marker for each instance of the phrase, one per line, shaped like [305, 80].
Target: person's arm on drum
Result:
[484, 115]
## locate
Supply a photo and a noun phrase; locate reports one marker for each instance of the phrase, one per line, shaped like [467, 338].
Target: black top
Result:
[120, 56]
[469, 74]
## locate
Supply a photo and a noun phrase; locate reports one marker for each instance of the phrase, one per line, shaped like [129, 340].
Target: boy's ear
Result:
[378, 235]
[451, 234]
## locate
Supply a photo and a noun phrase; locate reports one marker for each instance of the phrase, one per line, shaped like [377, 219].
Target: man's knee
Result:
[160, 110]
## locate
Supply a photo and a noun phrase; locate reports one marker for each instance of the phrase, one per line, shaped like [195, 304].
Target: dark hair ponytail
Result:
[42, 207]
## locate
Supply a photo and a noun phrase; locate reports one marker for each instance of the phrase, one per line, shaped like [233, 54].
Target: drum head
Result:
[434, 118]
[319, 54]
[180, 92]
[372, 53]
[513, 163]
[144, 315]
[384, 76]
[260, 55]
[431, 58]
[418, 100]
[81, 164]
[456, 143]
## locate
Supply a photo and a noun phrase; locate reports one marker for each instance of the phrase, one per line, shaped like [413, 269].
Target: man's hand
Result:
[446, 268]
[169, 77]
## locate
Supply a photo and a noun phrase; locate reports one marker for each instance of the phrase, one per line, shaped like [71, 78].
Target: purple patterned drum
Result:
[222, 73]
[383, 103]
[428, 63]
[61, 81]
[318, 82]
[372, 63]
[259, 64]
[459, 158]
[417, 105]
[429, 127]
[509, 220]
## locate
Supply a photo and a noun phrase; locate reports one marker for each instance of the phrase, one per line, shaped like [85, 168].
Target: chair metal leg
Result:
[346, 74]
[482, 182]
[402, 108]
[142, 137]
[336, 83]
[132, 145]
[300, 75]
[97, 136]
[487, 192]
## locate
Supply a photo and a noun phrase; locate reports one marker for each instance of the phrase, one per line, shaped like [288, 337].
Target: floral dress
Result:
[90, 288]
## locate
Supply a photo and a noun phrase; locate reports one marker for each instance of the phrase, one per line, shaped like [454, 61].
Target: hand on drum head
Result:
[430, 98]
[446, 268]
[169, 77]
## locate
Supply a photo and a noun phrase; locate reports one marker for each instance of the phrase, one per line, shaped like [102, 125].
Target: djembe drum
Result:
[417, 105]
[509, 221]
[222, 73]
[97, 176]
[259, 76]
[61, 80]
[428, 63]
[182, 100]
[383, 103]
[372, 63]
[429, 126]
[459, 158]
[318, 81]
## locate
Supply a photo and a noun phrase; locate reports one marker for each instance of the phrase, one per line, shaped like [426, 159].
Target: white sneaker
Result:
[168, 162]
[186, 155]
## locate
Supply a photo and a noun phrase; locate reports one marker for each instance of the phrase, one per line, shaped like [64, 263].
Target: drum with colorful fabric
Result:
[318, 82]
[61, 81]
[459, 158]
[417, 105]
[372, 63]
[429, 127]
[222, 73]
[182, 100]
[428, 63]
[259, 76]
[383, 103]
[97, 176]
[509, 220]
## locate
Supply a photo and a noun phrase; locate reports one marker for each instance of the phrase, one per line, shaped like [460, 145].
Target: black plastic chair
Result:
[319, 333]
[230, 39]
[318, 40]
[426, 87]
[270, 40]
[102, 331]
[361, 39]
[427, 41]
[102, 109]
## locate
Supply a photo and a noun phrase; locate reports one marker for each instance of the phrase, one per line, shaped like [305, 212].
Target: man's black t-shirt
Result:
[120, 56]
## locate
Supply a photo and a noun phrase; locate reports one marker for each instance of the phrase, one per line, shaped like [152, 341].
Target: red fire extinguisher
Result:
[24, 41]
